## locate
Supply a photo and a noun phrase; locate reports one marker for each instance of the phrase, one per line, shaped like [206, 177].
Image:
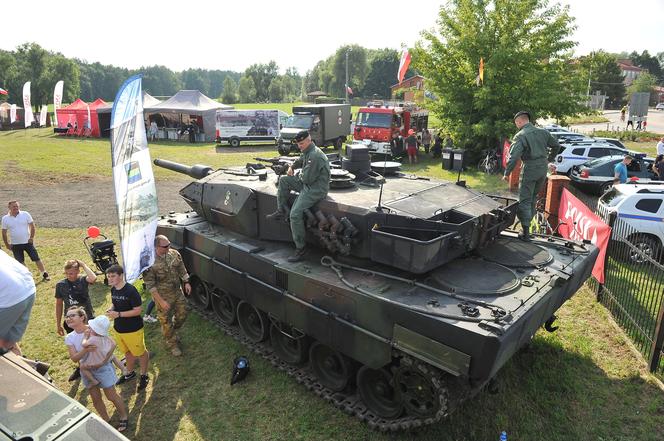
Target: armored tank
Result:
[413, 297]
[31, 408]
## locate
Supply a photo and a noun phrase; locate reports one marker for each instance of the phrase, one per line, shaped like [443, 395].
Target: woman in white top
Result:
[77, 320]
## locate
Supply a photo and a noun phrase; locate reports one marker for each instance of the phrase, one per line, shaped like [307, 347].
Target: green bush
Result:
[629, 135]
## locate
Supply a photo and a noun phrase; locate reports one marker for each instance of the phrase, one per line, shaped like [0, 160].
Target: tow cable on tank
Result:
[470, 313]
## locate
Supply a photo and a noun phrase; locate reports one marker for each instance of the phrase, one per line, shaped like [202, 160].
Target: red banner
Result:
[577, 222]
[506, 152]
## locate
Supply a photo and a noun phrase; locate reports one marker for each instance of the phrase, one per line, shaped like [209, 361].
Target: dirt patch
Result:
[80, 202]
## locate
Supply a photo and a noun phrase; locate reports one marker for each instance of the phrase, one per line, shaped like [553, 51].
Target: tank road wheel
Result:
[253, 322]
[225, 306]
[420, 388]
[200, 293]
[290, 348]
[332, 368]
[376, 387]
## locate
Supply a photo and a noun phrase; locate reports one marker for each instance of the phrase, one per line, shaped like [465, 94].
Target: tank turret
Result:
[408, 222]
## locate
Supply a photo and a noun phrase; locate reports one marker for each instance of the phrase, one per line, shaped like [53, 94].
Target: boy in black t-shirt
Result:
[128, 324]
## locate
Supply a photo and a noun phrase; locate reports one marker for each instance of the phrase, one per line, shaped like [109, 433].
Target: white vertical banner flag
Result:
[88, 123]
[57, 100]
[12, 113]
[135, 190]
[42, 116]
[27, 107]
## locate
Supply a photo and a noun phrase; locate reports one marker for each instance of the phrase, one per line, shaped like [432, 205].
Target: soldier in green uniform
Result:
[312, 183]
[164, 281]
[536, 148]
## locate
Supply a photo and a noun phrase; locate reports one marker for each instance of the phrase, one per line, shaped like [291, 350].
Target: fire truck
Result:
[379, 120]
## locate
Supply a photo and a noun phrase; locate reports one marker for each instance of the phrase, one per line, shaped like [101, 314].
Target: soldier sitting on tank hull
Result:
[313, 184]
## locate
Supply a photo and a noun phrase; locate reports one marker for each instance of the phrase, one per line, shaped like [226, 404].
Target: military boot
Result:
[300, 254]
[525, 235]
[278, 215]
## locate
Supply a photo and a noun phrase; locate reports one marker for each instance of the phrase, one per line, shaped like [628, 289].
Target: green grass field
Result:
[583, 382]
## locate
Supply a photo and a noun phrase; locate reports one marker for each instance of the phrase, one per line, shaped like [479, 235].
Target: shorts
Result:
[19, 249]
[14, 320]
[105, 375]
[412, 151]
[133, 342]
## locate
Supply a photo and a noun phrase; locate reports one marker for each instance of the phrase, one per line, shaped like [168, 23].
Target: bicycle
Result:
[490, 164]
[540, 223]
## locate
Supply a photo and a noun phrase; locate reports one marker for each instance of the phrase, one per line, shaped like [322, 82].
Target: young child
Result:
[97, 335]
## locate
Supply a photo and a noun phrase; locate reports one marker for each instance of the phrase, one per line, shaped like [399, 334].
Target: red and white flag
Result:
[403, 65]
[27, 107]
[3, 91]
[57, 99]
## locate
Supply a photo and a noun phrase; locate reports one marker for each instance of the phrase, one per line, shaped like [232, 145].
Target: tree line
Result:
[371, 73]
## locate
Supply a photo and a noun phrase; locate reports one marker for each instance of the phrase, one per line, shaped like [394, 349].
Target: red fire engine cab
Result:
[378, 121]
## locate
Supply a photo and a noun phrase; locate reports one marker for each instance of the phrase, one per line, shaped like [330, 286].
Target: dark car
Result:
[596, 176]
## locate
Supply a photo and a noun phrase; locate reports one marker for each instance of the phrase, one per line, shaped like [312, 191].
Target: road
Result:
[655, 122]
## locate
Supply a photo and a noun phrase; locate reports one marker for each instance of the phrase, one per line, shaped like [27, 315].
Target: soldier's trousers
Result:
[303, 201]
[172, 319]
[529, 187]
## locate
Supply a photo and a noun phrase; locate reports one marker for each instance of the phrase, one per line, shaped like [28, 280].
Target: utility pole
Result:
[346, 86]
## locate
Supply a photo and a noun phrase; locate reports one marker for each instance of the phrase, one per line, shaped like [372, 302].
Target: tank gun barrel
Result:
[197, 171]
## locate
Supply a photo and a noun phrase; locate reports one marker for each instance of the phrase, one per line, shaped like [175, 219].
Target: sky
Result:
[233, 35]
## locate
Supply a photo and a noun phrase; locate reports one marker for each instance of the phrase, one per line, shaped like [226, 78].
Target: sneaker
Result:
[46, 276]
[124, 378]
[143, 383]
[176, 351]
[300, 253]
[75, 375]
[147, 318]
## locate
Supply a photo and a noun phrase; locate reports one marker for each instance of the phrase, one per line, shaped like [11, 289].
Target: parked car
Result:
[596, 176]
[564, 137]
[641, 206]
[613, 141]
[576, 154]
[659, 106]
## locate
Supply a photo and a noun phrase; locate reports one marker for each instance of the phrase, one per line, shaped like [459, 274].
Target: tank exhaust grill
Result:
[282, 280]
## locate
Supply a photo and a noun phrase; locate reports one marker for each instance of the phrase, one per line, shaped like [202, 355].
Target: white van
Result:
[235, 126]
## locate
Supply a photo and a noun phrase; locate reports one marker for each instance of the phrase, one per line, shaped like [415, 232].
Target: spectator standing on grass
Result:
[17, 295]
[128, 325]
[104, 373]
[73, 291]
[411, 146]
[153, 131]
[164, 280]
[660, 146]
[21, 229]
[426, 140]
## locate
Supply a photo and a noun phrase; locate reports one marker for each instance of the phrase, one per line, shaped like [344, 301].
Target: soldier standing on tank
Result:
[312, 183]
[531, 145]
[164, 281]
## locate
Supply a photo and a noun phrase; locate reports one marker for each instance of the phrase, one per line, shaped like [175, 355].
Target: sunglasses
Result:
[72, 315]
[165, 246]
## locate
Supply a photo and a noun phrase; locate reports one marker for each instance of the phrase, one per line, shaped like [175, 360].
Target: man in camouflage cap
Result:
[164, 281]
[312, 183]
[536, 148]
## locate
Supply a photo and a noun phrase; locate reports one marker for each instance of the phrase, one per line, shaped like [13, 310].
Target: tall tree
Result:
[247, 90]
[262, 75]
[644, 83]
[526, 49]
[160, 80]
[357, 69]
[229, 95]
[196, 79]
[276, 90]
[601, 69]
[383, 67]
[649, 62]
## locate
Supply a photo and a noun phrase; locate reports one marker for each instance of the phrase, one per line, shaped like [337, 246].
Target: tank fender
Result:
[436, 354]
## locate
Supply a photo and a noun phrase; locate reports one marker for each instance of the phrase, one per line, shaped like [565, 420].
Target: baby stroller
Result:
[102, 251]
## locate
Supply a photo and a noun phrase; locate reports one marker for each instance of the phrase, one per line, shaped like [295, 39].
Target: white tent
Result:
[191, 102]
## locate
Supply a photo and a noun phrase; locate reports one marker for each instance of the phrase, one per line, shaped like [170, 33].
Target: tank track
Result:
[349, 403]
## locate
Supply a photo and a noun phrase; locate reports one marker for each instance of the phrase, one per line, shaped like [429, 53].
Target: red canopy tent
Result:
[76, 114]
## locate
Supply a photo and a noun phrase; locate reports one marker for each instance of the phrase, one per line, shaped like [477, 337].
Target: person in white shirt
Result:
[21, 229]
[17, 295]
[660, 146]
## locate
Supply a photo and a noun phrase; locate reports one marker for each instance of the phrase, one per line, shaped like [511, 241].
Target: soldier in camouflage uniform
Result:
[164, 281]
[312, 183]
[536, 148]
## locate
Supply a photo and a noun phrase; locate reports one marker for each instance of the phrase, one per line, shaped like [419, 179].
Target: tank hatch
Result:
[516, 254]
[476, 276]
[428, 202]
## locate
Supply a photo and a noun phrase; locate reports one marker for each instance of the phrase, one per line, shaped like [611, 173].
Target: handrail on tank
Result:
[196, 171]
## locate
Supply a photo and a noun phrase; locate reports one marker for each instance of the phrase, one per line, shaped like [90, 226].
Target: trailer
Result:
[235, 126]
